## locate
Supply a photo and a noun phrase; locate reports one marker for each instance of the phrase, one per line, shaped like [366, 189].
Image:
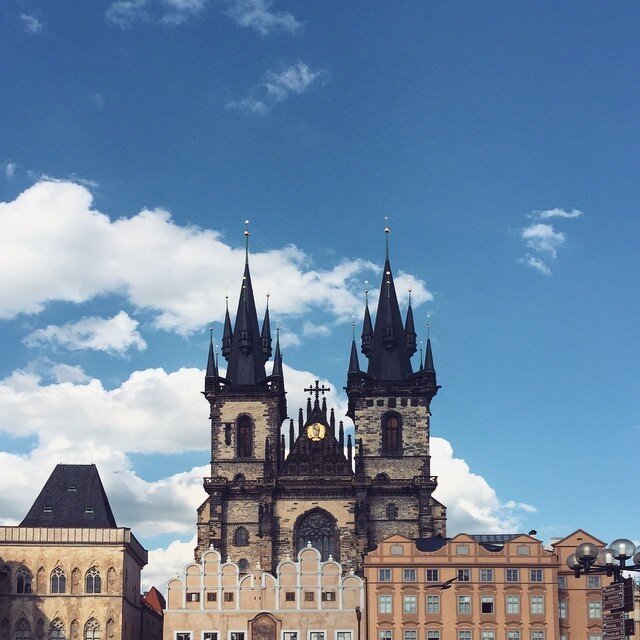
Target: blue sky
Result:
[500, 138]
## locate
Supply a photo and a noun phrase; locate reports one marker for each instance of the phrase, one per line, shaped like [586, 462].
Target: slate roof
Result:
[490, 541]
[73, 496]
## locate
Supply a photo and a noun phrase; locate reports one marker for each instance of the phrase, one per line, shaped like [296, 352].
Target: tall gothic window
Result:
[391, 438]
[23, 580]
[56, 630]
[392, 511]
[58, 581]
[244, 437]
[318, 528]
[93, 582]
[241, 537]
[22, 630]
[92, 630]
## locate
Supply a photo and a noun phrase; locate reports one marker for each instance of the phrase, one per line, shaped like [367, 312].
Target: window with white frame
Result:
[486, 604]
[593, 582]
[396, 550]
[384, 604]
[512, 575]
[209, 635]
[464, 604]
[290, 635]
[193, 596]
[513, 605]
[343, 635]
[523, 550]
[236, 635]
[537, 634]
[513, 634]
[487, 634]
[562, 582]
[537, 605]
[433, 634]
[408, 575]
[486, 575]
[410, 604]
[410, 634]
[595, 609]
[184, 635]
[316, 635]
[432, 575]
[462, 550]
[433, 604]
[384, 575]
[595, 636]
[464, 634]
[536, 575]
[562, 609]
[385, 634]
[464, 575]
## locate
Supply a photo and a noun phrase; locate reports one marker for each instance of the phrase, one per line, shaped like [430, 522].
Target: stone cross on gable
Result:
[317, 389]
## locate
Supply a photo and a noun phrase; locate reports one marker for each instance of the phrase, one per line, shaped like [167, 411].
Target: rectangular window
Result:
[536, 575]
[464, 575]
[289, 596]
[289, 635]
[537, 605]
[523, 550]
[562, 582]
[432, 575]
[408, 575]
[564, 636]
[343, 635]
[193, 597]
[316, 635]
[513, 605]
[433, 604]
[486, 604]
[183, 635]
[410, 604]
[595, 609]
[309, 596]
[487, 634]
[385, 634]
[410, 634]
[433, 634]
[595, 636]
[47, 509]
[328, 596]
[228, 596]
[464, 635]
[384, 575]
[89, 510]
[593, 582]
[210, 635]
[397, 550]
[562, 609]
[512, 575]
[384, 604]
[462, 550]
[537, 634]
[212, 597]
[464, 604]
[513, 635]
[236, 635]
[486, 575]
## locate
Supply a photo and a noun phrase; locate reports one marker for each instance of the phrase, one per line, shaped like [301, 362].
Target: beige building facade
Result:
[306, 599]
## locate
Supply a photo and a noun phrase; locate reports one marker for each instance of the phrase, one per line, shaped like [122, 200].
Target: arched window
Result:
[391, 437]
[56, 630]
[5, 578]
[244, 437]
[392, 511]
[22, 630]
[58, 581]
[243, 565]
[241, 537]
[93, 581]
[318, 528]
[111, 581]
[92, 630]
[23, 580]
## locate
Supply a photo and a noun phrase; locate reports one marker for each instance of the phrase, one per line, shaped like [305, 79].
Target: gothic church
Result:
[277, 483]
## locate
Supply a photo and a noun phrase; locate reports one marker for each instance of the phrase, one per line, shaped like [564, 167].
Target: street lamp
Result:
[612, 560]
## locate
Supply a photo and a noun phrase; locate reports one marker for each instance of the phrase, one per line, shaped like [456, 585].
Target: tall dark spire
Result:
[367, 327]
[410, 329]
[265, 334]
[354, 364]
[389, 358]
[246, 359]
[277, 359]
[428, 361]
[227, 334]
[211, 376]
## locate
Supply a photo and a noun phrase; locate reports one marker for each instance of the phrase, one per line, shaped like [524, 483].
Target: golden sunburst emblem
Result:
[316, 431]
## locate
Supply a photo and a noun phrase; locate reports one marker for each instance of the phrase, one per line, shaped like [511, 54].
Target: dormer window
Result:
[48, 509]
[89, 510]
[72, 488]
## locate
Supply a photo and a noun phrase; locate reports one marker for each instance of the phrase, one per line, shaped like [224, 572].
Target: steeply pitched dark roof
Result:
[73, 496]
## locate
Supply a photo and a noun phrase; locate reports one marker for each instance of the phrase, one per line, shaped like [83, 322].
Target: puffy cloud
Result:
[31, 24]
[10, 169]
[312, 329]
[114, 335]
[276, 87]
[536, 263]
[557, 213]
[257, 14]
[543, 238]
[56, 246]
[166, 563]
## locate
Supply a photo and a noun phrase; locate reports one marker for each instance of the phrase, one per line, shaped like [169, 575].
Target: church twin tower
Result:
[278, 484]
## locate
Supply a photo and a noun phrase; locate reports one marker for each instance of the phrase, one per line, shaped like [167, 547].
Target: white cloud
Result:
[55, 246]
[557, 213]
[10, 169]
[543, 238]
[179, 11]
[276, 87]
[125, 13]
[31, 24]
[69, 373]
[537, 264]
[312, 329]
[167, 563]
[114, 335]
[257, 14]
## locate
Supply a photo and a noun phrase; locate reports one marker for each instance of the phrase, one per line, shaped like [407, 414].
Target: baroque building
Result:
[277, 484]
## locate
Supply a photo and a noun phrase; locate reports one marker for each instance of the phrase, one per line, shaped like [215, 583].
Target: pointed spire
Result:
[367, 327]
[301, 419]
[410, 330]
[292, 437]
[389, 358]
[421, 365]
[354, 364]
[265, 334]
[309, 407]
[282, 448]
[428, 361]
[332, 421]
[211, 376]
[349, 450]
[228, 333]
[324, 407]
[277, 359]
[341, 434]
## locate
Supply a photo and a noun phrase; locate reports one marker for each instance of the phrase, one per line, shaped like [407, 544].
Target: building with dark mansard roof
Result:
[343, 497]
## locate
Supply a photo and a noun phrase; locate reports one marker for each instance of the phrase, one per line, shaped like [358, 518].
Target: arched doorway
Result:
[318, 527]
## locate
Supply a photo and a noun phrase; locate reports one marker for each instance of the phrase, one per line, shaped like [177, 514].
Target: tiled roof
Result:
[154, 600]
[73, 496]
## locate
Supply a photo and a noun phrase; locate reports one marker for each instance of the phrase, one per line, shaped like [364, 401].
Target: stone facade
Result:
[83, 583]
[306, 599]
